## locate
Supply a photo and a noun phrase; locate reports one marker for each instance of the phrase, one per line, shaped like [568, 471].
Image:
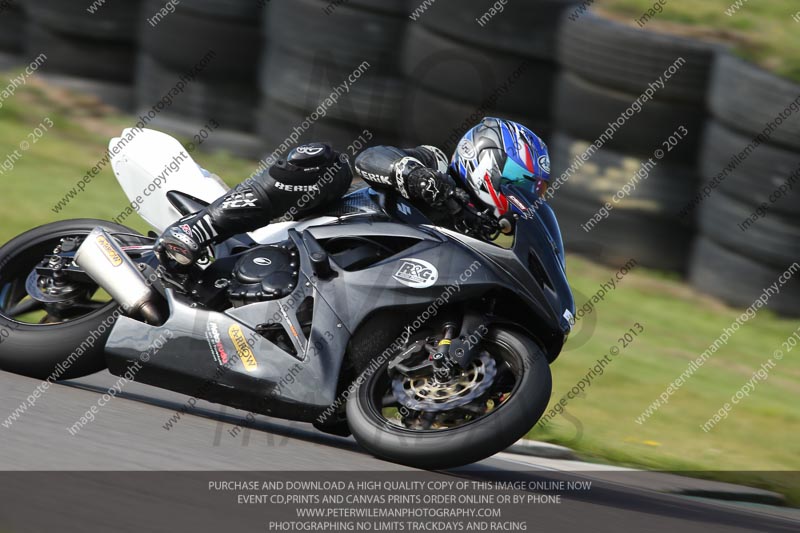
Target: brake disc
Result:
[46, 290]
[427, 394]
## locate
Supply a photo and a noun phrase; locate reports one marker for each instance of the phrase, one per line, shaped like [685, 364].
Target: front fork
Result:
[453, 353]
[442, 362]
[455, 348]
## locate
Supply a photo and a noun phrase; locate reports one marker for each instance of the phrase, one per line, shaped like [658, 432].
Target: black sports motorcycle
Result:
[430, 346]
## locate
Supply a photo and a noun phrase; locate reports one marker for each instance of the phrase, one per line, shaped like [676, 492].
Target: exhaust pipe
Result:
[105, 262]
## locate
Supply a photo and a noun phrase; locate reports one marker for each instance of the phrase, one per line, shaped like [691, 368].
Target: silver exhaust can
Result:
[105, 262]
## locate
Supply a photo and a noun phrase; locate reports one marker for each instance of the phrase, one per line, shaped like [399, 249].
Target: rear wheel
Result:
[428, 422]
[62, 337]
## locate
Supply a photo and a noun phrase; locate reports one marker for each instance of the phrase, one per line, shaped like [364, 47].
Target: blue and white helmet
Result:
[500, 151]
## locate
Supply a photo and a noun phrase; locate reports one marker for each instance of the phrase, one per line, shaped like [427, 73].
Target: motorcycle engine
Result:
[264, 273]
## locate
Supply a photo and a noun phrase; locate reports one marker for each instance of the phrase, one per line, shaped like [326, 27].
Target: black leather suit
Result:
[312, 176]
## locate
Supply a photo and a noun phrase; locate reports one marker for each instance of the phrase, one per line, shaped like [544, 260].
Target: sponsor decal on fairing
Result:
[416, 273]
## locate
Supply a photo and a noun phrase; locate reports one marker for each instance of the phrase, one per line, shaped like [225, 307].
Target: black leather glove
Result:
[472, 221]
[459, 200]
[432, 187]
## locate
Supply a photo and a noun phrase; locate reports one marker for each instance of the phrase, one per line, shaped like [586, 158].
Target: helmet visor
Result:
[513, 172]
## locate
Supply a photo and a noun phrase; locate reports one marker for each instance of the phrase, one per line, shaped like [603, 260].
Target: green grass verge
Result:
[64, 154]
[760, 434]
[762, 31]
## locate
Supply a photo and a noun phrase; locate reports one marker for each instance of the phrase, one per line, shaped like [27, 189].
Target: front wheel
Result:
[427, 422]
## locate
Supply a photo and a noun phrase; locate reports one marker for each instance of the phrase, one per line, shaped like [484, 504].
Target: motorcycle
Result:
[430, 346]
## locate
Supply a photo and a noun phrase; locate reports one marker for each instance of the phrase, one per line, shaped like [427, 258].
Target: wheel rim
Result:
[384, 407]
[18, 307]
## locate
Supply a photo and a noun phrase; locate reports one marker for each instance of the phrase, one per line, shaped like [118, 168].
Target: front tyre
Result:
[432, 437]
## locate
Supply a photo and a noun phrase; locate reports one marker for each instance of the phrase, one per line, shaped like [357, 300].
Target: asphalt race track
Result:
[128, 435]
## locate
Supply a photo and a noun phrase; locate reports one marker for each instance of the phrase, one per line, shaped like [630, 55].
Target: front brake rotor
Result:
[427, 394]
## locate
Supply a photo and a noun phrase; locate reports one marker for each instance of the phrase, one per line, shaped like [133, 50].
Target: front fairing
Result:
[538, 246]
[537, 256]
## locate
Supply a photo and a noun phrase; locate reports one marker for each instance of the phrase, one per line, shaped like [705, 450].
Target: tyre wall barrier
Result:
[363, 72]
[749, 217]
[639, 97]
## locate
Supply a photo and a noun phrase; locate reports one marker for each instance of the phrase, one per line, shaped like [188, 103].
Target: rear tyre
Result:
[473, 440]
[62, 350]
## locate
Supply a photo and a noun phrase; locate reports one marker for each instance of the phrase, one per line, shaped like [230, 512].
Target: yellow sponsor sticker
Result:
[108, 250]
[242, 348]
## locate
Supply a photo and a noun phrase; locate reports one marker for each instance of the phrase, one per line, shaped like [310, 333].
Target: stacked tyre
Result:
[749, 219]
[467, 63]
[330, 72]
[12, 32]
[95, 50]
[643, 162]
[197, 70]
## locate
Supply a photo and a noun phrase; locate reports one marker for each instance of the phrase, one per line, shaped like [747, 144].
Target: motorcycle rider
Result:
[314, 175]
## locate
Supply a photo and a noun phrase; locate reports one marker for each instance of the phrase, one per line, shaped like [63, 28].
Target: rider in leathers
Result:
[314, 175]
[318, 175]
